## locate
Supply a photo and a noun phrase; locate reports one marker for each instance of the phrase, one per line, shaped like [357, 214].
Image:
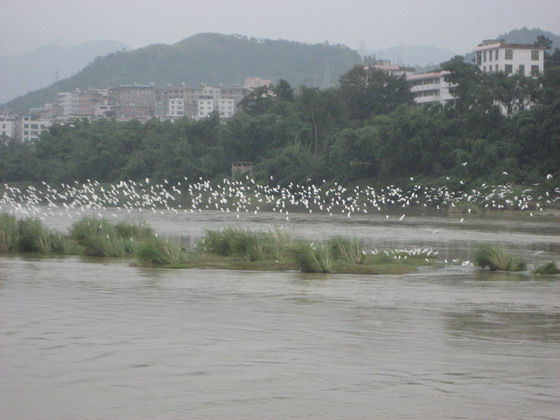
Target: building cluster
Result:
[130, 102]
[145, 102]
[490, 56]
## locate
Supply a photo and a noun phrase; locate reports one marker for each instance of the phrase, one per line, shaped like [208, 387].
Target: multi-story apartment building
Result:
[205, 107]
[430, 88]
[143, 102]
[526, 59]
[198, 102]
[226, 107]
[176, 108]
[7, 126]
[88, 103]
[133, 102]
[28, 128]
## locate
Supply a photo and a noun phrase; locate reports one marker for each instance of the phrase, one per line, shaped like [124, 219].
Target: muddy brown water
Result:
[105, 339]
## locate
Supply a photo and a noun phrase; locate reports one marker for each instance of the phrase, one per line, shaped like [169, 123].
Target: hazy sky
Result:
[458, 25]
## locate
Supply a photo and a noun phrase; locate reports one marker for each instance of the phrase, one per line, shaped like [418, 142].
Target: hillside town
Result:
[145, 102]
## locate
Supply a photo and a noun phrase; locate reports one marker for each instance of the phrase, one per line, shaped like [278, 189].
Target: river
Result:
[91, 339]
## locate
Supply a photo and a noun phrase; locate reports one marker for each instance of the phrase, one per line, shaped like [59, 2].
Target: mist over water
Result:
[85, 338]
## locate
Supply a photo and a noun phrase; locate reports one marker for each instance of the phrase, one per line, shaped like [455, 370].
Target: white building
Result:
[430, 88]
[226, 107]
[65, 103]
[176, 108]
[526, 59]
[82, 103]
[214, 102]
[28, 128]
[205, 108]
[7, 127]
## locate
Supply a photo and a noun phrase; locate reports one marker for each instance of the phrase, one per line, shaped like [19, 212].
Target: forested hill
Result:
[205, 58]
[529, 36]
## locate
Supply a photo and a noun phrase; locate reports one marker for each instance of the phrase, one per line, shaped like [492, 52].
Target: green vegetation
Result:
[231, 248]
[549, 268]
[311, 258]
[497, 259]
[346, 249]
[8, 232]
[252, 246]
[33, 236]
[100, 238]
[29, 235]
[366, 131]
[160, 252]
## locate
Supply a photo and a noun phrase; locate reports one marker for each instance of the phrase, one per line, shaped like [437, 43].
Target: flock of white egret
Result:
[238, 197]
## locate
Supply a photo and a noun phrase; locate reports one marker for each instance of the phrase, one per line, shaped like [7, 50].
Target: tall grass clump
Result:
[8, 232]
[252, 246]
[496, 258]
[279, 242]
[100, 238]
[311, 259]
[33, 236]
[160, 252]
[549, 268]
[346, 249]
[134, 230]
[89, 227]
[221, 242]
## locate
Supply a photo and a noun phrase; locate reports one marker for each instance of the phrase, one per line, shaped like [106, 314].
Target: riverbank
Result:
[229, 248]
[234, 249]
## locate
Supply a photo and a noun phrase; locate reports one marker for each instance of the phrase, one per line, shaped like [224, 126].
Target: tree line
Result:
[498, 128]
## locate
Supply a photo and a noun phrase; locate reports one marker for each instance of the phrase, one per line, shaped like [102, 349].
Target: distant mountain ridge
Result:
[529, 36]
[208, 58]
[215, 59]
[27, 72]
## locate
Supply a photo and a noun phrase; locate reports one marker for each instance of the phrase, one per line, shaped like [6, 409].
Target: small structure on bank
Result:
[240, 170]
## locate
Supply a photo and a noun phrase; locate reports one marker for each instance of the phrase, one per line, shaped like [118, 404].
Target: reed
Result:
[8, 232]
[134, 230]
[98, 238]
[311, 259]
[497, 259]
[279, 242]
[160, 252]
[549, 268]
[33, 236]
[253, 246]
[105, 246]
[89, 227]
[347, 249]
[220, 242]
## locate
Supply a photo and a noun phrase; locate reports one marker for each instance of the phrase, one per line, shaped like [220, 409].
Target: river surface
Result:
[83, 338]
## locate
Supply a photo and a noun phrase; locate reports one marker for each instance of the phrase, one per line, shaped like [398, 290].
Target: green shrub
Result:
[253, 246]
[549, 268]
[89, 227]
[8, 232]
[100, 238]
[311, 259]
[105, 245]
[495, 258]
[156, 251]
[33, 236]
[346, 249]
[134, 230]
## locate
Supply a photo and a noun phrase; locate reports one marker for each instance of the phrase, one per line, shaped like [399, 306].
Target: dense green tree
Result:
[368, 91]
